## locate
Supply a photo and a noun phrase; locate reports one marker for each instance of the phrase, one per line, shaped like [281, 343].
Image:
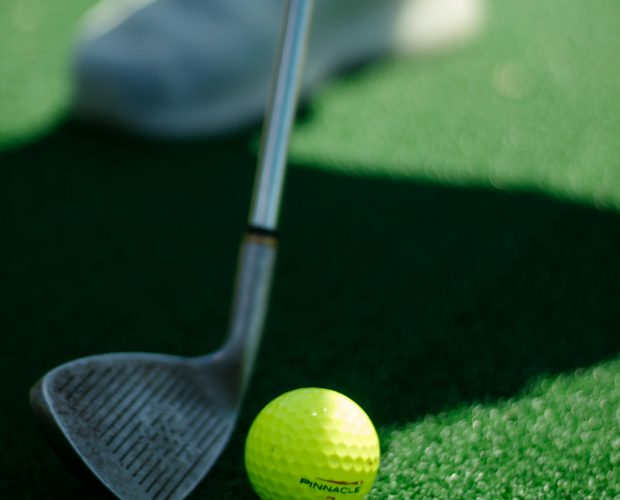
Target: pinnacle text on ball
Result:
[343, 490]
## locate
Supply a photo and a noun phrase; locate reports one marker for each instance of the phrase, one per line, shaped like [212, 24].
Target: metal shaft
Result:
[280, 116]
[258, 250]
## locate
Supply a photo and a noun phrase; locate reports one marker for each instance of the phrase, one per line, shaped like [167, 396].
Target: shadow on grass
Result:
[410, 298]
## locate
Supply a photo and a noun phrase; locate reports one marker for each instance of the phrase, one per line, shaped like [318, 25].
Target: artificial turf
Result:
[449, 254]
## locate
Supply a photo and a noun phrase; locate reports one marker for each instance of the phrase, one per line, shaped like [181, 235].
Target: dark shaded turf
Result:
[442, 261]
[410, 298]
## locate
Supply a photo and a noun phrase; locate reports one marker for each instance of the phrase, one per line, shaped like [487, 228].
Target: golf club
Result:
[150, 426]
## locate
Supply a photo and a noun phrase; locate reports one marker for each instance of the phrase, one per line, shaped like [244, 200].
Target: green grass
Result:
[534, 105]
[449, 254]
[558, 440]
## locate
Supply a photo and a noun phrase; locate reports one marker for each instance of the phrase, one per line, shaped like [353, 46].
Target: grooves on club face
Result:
[147, 426]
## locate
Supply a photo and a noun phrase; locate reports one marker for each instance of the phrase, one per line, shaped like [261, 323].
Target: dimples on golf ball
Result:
[312, 444]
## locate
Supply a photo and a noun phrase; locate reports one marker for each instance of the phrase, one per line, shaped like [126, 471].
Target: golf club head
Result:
[150, 426]
[147, 426]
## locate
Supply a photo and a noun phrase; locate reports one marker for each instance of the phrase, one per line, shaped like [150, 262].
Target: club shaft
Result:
[280, 115]
[258, 250]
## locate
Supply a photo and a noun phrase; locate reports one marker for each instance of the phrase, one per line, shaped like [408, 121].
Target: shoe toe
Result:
[111, 84]
[166, 71]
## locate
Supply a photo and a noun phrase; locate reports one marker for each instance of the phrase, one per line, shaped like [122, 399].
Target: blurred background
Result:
[449, 253]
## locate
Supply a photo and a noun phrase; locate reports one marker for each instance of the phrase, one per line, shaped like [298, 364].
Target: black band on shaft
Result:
[261, 231]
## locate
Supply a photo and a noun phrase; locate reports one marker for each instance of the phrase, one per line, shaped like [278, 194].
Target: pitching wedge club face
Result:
[147, 426]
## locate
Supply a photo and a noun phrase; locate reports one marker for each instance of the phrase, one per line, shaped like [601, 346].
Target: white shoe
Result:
[177, 68]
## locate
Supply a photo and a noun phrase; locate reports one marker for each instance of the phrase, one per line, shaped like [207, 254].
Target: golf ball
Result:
[312, 444]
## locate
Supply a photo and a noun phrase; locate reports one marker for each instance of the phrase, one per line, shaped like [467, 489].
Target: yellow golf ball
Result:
[313, 444]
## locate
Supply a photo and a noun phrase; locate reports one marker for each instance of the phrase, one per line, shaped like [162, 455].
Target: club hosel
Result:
[251, 297]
